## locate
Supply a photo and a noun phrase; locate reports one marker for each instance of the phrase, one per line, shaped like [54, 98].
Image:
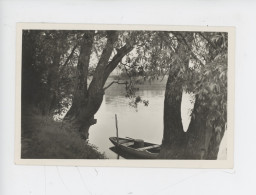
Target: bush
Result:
[43, 138]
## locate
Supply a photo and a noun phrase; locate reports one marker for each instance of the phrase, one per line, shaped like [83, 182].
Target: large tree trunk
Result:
[203, 140]
[51, 98]
[214, 142]
[198, 133]
[87, 101]
[30, 81]
[199, 142]
[178, 144]
[174, 139]
[80, 97]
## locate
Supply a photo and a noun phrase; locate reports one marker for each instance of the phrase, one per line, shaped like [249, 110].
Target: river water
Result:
[145, 122]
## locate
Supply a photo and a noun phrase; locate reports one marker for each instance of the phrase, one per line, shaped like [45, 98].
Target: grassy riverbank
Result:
[43, 138]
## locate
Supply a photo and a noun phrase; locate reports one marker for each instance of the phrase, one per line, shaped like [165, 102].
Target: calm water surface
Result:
[145, 122]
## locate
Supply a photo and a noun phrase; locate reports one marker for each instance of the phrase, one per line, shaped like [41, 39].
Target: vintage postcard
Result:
[125, 95]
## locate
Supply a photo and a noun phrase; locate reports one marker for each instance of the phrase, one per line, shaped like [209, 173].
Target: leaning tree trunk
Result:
[52, 80]
[80, 96]
[175, 139]
[198, 133]
[215, 140]
[203, 140]
[75, 115]
[200, 141]
[87, 101]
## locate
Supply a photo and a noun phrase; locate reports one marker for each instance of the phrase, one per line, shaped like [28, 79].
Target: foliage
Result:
[43, 138]
[44, 75]
[68, 69]
[209, 80]
[155, 54]
[205, 76]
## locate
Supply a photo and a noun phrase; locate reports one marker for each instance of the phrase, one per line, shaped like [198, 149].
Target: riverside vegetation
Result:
[44, 138]
[56, 65]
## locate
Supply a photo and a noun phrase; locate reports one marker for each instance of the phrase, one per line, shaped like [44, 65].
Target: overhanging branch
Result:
[70, 55]
[208, 40]
[188, 46]
[117, 82]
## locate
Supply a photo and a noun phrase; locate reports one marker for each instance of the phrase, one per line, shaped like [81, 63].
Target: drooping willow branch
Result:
[117, 82]
[208, 40]
[183, 40]
[70, 55]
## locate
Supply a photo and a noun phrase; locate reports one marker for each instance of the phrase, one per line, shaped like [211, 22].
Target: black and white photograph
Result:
[125, 94]
[127, 97]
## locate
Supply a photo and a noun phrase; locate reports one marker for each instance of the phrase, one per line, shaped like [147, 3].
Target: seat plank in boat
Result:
[149, 147]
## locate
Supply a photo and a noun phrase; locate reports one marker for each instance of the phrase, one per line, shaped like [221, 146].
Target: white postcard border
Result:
[223, 164]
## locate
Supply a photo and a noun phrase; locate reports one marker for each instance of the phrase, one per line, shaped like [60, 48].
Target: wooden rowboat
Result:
[135, 147]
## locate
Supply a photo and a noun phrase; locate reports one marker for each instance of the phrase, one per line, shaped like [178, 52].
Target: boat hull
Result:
[150, 151]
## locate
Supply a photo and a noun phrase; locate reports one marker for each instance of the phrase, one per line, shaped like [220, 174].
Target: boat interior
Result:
[153, 148]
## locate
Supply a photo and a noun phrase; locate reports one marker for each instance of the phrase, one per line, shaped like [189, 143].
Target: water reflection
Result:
[145, 122]
[120, 154]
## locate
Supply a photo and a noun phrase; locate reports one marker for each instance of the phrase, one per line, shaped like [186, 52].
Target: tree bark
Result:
[203, 140]
[198, 133]
[200, 141]
[214, 142]
[178, 144]
[30, 82]
[174, 139]
[80, 97]
[87, 101]
[52, 80]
